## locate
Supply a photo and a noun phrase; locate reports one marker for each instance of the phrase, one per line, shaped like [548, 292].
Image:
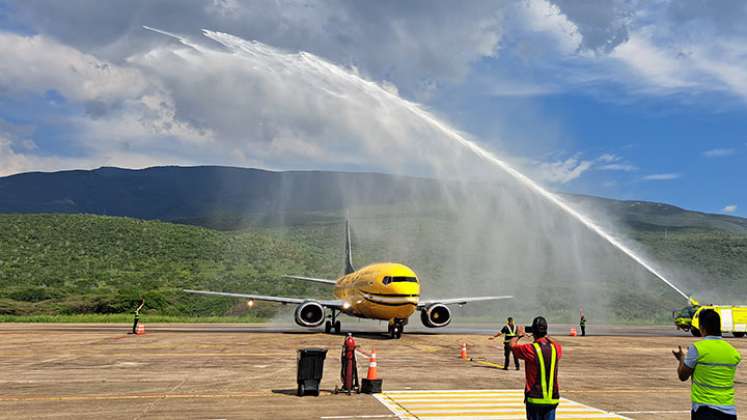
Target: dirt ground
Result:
[58, 371]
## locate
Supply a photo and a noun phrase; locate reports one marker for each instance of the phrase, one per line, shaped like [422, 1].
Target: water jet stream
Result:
[259, 54]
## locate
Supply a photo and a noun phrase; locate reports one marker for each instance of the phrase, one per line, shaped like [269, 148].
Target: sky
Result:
[640, 100]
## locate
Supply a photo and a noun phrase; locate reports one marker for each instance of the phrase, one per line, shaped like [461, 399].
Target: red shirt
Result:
[526, 352]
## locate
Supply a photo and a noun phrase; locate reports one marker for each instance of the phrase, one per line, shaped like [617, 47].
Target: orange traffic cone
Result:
[370, 384]
[572, 333]
[372, 366]
[463, 352]
[140, 329]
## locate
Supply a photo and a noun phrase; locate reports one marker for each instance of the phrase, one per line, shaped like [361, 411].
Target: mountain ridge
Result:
[192, 194]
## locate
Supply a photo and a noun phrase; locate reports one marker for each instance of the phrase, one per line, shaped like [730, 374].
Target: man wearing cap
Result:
[508, 332]
[712, 365]
[541, 393]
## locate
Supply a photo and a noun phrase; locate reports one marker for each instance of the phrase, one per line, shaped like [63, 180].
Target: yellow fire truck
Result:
[733, 318]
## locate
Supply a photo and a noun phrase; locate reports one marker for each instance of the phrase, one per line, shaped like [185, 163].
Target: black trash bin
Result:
[310, 370]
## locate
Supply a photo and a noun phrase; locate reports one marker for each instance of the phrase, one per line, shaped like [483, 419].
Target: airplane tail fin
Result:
[349, 268]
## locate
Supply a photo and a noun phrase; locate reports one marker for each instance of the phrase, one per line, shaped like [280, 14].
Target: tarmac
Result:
[234, 371]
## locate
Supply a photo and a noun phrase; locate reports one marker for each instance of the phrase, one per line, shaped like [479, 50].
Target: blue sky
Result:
[620, 99]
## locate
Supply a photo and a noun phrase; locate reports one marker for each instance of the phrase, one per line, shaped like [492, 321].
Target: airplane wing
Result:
[314, 279]
[335, 304]
[460, 301]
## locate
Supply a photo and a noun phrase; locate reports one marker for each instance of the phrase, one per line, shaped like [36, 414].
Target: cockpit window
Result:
[399, 279]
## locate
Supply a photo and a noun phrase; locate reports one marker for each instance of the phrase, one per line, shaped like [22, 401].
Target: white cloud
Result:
[610, 162]
[625, 167]
[649, 47]
[657, 67]
[38, 64]
[130, 118]
[718, 153]
[147, 97]
[661, 177]
[414, 45]
[252, 105]
[545, 17]
[567, 170]
[731, 208]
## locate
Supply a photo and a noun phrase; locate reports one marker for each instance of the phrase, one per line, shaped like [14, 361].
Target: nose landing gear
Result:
[396, 328]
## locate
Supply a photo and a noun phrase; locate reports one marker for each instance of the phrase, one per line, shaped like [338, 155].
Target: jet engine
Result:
[435, 315]
[309, 314]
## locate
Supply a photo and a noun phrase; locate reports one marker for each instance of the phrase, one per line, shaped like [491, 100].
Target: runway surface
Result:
[364, 328]
[236, 372]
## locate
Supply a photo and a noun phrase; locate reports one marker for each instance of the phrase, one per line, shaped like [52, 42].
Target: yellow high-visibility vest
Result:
[713, 376]
[548, 385]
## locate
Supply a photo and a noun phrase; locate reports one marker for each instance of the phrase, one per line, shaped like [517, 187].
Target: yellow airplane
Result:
[383, 291]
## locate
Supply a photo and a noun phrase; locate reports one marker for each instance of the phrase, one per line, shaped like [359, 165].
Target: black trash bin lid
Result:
[312, 351]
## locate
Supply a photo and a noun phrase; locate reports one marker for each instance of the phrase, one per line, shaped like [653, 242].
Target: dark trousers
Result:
[541, 412]
[507, 356]
[134, 325]
[708, 413]
[583, 331]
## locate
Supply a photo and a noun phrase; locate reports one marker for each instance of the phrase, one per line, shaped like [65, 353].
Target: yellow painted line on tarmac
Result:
[474, 404]
[459, 397]
[455, 391]
[487, 403]
[514, 415]
[655, 412]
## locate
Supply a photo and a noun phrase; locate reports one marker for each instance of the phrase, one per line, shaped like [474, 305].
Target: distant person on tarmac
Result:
[508, 332]
[712, 365]
[582, 324]
[542, 392]
[137, 316]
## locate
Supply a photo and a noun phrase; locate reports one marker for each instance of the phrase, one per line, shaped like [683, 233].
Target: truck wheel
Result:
[738, 334]
[337, 326]
[695, 332]
[327, 327]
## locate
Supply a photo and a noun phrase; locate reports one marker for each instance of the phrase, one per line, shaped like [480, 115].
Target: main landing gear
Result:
[396, 328]
[334, 324]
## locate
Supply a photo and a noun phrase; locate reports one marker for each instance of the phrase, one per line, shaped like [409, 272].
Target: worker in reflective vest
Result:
[137, 316]
[508, 332]
[541, 393]
[712, 365]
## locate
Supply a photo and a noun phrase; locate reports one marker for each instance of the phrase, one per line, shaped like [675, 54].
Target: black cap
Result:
[539, 327]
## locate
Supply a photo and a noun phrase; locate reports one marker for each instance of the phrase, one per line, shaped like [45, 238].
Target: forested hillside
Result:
[97, 264]
[68, 264]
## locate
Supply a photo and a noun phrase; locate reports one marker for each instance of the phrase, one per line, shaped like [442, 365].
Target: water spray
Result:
[257, 50]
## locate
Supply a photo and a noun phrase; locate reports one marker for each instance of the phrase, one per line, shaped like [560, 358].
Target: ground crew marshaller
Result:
[582, 324]
[542, 392]
[508, 332]
[137, 316]
[712, 365]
